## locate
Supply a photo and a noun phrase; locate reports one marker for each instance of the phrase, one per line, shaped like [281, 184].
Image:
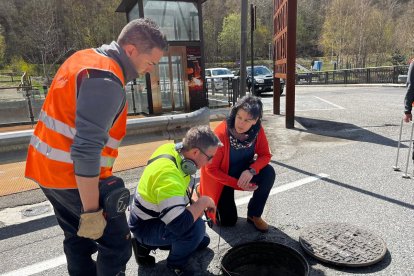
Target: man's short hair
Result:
[144, 34]
[201, 137]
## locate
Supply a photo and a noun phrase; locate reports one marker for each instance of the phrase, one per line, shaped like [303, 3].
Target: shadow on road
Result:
[27, 227]
[345, 131]
[347, 186]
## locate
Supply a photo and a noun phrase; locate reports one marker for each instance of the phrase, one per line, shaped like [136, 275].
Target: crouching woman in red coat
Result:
[242, 163]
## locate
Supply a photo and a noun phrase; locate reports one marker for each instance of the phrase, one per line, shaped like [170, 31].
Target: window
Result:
[178, 20]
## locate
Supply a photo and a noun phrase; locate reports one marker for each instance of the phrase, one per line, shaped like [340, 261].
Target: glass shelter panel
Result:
[165, 83]
[133, 13]
[178, 20]
[178, 82]
[171, 83]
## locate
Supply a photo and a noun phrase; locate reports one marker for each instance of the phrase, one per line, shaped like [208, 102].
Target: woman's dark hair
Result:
[251, 104]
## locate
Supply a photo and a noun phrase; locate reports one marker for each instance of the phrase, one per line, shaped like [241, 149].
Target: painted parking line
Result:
[245, 200]
[331, 103]
[61, 260]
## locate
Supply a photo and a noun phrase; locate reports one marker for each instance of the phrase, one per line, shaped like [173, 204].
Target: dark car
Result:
[262, 80]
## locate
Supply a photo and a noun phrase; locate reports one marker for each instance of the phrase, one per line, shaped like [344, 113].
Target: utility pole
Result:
[243, 50]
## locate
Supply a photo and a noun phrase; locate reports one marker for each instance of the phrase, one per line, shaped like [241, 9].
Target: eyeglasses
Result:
[208, 157]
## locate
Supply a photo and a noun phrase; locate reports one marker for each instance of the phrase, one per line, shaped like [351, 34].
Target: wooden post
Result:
[284, 39]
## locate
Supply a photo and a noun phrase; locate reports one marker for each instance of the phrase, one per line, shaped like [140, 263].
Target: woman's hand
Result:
[244, 181]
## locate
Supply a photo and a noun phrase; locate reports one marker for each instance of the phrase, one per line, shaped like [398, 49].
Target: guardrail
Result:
[384, 74]
[143, 130]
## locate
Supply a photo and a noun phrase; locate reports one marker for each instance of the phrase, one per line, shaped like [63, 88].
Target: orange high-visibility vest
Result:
[48, 159]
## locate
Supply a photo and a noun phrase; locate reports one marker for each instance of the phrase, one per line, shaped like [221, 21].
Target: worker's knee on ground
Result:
[196, 232]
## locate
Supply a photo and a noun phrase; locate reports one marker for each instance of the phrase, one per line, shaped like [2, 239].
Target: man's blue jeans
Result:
[153, 233]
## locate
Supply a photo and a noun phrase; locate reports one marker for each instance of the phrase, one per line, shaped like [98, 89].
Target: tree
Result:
[262, 38]
[2, 47]
[403, 35]
[210, 42]
[308, 27]
[40, 34]
[229, 37]
[336, 33]
[213, 25]
[9, 23]
[92, 31]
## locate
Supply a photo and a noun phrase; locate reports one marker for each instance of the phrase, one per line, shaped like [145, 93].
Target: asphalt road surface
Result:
[334, 166]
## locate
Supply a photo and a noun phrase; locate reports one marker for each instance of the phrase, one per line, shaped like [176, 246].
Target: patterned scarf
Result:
[243, 140]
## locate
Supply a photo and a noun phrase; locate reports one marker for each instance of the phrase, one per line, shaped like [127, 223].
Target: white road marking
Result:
[12, 216]
[61, 260]
[38, 267]
[316, 109]
[245, 200]
[328, 102]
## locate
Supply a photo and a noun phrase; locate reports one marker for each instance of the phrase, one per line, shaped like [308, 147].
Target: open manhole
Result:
[342, 244]
[264, 259]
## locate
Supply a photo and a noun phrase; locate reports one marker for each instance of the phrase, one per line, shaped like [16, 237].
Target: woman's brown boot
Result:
[258, 223]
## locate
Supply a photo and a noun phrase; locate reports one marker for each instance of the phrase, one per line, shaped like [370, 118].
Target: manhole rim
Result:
[299, 256]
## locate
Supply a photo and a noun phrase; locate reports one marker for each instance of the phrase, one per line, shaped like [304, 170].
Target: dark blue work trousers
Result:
[114, 247]
[226, 206]
[153, 233]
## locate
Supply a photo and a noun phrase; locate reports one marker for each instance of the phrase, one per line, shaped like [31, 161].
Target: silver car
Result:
[218, 77]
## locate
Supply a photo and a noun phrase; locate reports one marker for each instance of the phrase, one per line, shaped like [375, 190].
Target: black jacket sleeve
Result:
[409, 96]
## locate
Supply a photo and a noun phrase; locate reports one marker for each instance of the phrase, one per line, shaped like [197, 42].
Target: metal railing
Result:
[222, 92]
[384, 74]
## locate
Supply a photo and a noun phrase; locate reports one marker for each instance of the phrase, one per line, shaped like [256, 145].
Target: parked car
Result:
[402, 78]
[262, 80]
[219, 76]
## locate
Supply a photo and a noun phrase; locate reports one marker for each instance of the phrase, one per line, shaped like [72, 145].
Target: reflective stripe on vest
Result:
[68, 131]
[174, 207]
[60, 155]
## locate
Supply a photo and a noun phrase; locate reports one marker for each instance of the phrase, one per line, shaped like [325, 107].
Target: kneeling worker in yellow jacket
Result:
[160, 217]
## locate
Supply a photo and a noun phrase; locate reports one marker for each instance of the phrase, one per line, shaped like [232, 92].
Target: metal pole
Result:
[251, 48]
[243, 48]
[29, 104]
[405, 175]
[133, 97]
[396, 167]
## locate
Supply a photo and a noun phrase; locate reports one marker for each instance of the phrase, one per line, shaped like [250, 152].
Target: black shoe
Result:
[142, 254]
[181, 271]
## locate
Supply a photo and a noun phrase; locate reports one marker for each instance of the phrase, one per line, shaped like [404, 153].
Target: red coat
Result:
[215, 175]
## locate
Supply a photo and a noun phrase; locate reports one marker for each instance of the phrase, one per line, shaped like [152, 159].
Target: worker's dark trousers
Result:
[226, 206]
[114, 247]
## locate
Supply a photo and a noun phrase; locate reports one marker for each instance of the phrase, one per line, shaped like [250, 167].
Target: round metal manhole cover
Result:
[342, 244]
